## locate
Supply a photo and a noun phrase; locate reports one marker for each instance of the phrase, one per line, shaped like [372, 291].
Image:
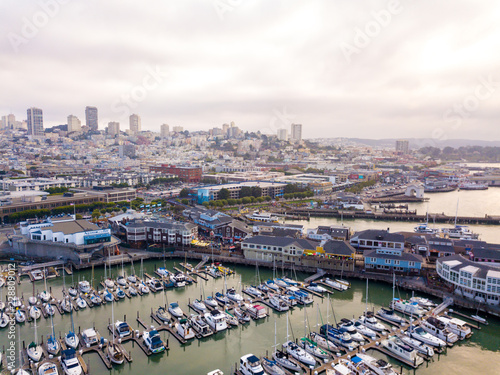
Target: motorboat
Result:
[460, 232]
[282, 359]
[19, 315]
[360, 328]
[252, 290]
[289, 299]
[312, 348]
[90, 337]
[109, 283]
[402, 350]
[53, 345]
[153, 341]
[422, 335]
[132, 279]
[84, 286]
[81, 303]
[71, 340]
[200, 325]
[349, 328]
[424, 228]
[316, 288]
[122, 329]
[168, 283]
[257, 311]
[457, 326]
[45, 296]
[336, 285]
[34, 352]
[72, 291]
[391, 316]
[157, 284]
[175, 310]
[120, 293]
[250, 365]
[70, 363]
[200, 306]
[231, 320]
[163, 314]
[377, 366]
[48, 368]
[114, 353]
[299, 354]
[151, 285]
[423, 302]
[121, 281]
[132, 291]
[95, 299]
[184, 329]
[236, 297]
[216, 320]
[280, 282]
[323, 342]
[340, 369]
[277, 303]
[210, 301]
[289, 281]
[35, 312]
[263, 287]
[437, 328]
[301, 295]
[16, 302]
[143, 288]
[37, 275]
[242, 315]
[49, 309]
[162, 271]
[419, 346]
[271, 367]
[108, 296]
[407, 307]
[272, 285]
[179, 279]
[343, 339]
[222, 298]
[371, 322]
[32, 300]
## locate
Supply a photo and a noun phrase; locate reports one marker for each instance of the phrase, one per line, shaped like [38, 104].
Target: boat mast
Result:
[393, 288]
[366, 297]
[456, 214]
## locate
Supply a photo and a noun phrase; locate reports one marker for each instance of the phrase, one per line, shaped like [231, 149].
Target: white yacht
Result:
[312, 348]
[153, 341]
[236, 297]
[184, 329]
[48, 368]
[437, 328]
[420, 334]
[71, 340]
[364, 330]
[216, 320]
[407, 307]
[49, 309]
[84, 286]
[371, 322]
[81, 303]
[163, 314]
[90, 337]
[323, 342]
[35, 312]
[336, 285]
[272, 367]
[254, 291]
[70, 363]
[175, 310]
[20, 316]
[400, 349]
[34, 352]
[299, 354]
[200, 325]
[391, 316]
[316, 288]
[377, 366]
[282, 359]
[277, 303]
[122, 329]
[250, 365]
[210, 301]
[114, 353]
[457, 326]
[263, 217]
[419, 346]
[45, 296]
[200, 306]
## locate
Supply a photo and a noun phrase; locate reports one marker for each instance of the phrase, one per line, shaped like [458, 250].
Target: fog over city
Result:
[371, 69]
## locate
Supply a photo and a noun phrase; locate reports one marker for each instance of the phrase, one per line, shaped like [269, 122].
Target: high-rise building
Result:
[177, 129]
[225, 129]
[134, 123]
[282, 135]
[91, 118]
[296, 132]
[165, 131]
[8, 122]
[35, 122]
[402, 146]
[113, 128]
[74, 124]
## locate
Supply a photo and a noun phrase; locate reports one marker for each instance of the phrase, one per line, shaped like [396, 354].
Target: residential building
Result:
[141, 232]
[126, 150]
[35, 122]
[165, 132]
[74, 124]
[377, 239]
[185, 173]
[91, 118]
[177, 129]
[296, 132]
[9, 122]
[402, 146]
[272, 189]
[134, 123]
[334, 249]
[113, 128]
[479, 282]
[279, 249]
[332, 232]
[217, 224]
[392, 260]
[282, 135]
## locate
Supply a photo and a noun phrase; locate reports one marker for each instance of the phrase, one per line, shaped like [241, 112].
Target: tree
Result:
[124, 209]
[268, 198]
[256, 191]
[246, 200]
[245, 191]
[224, 193]
[205, 204]
[184, 193]
[185, 201]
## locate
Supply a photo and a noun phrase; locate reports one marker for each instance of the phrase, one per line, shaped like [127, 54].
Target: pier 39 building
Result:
[477, 281]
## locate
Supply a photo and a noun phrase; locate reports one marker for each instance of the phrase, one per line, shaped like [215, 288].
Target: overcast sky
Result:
[370, 69]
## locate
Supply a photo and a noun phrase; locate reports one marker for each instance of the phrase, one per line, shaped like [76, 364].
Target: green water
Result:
[479, 355]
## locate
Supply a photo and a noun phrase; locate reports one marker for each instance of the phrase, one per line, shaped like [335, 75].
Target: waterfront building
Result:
[282, 249]
[479, 282]
[391, 260]
[35, 122]
[91, 118]
[185, 173]
[332, 232]
[271, 189]
[218, 224]
[278, 229]
[334, 249]
[139, 233]
[377, 239]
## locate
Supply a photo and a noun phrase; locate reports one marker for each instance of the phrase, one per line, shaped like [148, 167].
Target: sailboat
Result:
[282, 358]
[45, 296]
[368, 319]
[34, 350]
[71, 339]
[53, 345]
[310, 346]
[121, 280]
[389, 314]
[21, 363]
[114, 353]
[132, 278]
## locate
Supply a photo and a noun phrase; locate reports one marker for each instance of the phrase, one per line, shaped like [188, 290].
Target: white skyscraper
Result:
[165, 131]
[74, 124]
[113, 128]
[282, 135]
[296, 132]
[35, 122]
[135, 123]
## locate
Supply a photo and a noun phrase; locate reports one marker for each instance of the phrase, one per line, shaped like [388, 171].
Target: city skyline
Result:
[372, 68]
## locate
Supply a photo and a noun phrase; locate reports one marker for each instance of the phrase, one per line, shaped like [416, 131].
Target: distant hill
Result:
[416, 143]
[57, 128]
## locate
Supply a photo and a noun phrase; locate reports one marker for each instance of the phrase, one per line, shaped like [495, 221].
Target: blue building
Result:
[392, 260]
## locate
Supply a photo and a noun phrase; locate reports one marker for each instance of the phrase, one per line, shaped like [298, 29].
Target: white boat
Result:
[143, 288]
[299, 354]
[200, 325]
[262, 217]
[49, 309]
[122, 329]
[312, 348]
[71, 340]
[390, 315]
[90, 337]
[419, 346]
[323, 342]
[424, 228]
[346, 325]
[364, 330]
[272, 285]
[402, 350]
[243, 316]
[35, 312]
[336, 285]
[200, 306]
[263, 287]
[162, 271]
[66, 305]
[120, 293]
[236, 297]
[282, 359]
[215, 372]
[108, 297]
[53, 345]
[37, 275]
[95, 299]
[32, 300]
[69, 362]
[254, 291]
[132, 291]
[81, 303]
[15, 302]
[132, 279]
[34, 352]
[109, 283]
[423, 302]
[316, 288]
[457, 326]
[47, 368]
[175, 310]
[210, 301]
[4, 320]
[45, 296]
[277, 303]
[184, 329]
[216, 320]
[272, 367]
[257, 311]
[72, 291]
[407, 307]
[231, 320]
[420, 334]
[120, 280]
[371, 322]
[339, 369]
[377, 366]
[163, 314]
[114, 354]
[153, 341]
[437, 328]
[250, 365]
[84, 286]
[20, 316]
